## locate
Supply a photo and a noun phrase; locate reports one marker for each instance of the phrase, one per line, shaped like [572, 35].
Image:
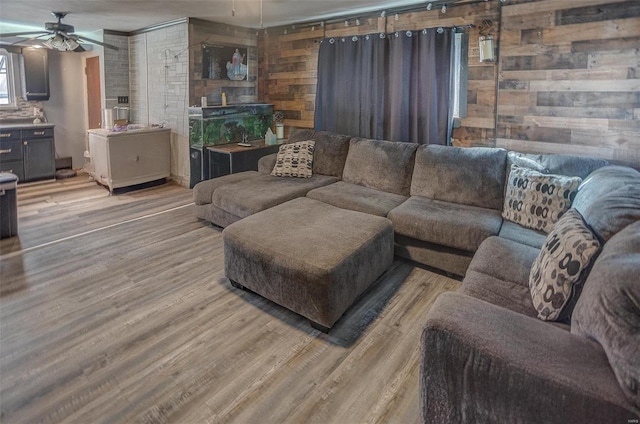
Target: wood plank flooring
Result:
[115, 309]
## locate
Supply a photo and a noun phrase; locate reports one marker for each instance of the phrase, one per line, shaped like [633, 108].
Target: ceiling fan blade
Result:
[17, 34]
[30, 39]
[100, 43]
[79, 49]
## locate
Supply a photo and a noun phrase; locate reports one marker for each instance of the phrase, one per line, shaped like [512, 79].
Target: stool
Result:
[308, 256]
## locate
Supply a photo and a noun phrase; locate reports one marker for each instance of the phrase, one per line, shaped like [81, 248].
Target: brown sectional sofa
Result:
[486, 357]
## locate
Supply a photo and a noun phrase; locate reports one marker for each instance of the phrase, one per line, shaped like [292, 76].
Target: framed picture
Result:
[224, 62]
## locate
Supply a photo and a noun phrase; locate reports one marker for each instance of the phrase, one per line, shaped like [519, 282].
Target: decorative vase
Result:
[279, 130]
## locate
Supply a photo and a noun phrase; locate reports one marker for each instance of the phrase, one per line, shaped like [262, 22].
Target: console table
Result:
[123, 159]
[231, 158]
[221, 125]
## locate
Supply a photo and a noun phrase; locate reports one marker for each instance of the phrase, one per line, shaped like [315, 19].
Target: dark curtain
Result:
[393, 86]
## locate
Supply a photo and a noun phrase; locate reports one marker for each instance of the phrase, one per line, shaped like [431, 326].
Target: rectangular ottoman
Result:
[310, 257]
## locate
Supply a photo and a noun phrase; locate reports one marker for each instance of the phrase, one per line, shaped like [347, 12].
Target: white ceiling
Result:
[129, 15]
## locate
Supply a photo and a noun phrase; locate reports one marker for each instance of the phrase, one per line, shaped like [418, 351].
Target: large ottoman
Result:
[310, 257]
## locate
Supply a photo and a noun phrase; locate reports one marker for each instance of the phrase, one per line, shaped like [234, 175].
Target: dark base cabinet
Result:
[28, 152]
[39, 159]
[199, 161]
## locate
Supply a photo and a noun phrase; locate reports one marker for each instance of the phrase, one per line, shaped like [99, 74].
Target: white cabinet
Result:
[123, 159]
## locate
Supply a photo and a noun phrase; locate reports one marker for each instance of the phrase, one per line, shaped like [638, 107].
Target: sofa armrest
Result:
[485, 364]
[266, 163]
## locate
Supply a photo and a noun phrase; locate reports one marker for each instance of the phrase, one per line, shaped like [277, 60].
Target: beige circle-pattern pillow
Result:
[535, 200]
[295, 160]
[562, 266]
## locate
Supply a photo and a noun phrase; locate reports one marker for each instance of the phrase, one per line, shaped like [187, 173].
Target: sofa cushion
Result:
[357, 198]
[470, 176]
[499, 274]
[379, 164]
[203, 191]
[520, 234]
[609, 199]
[505, 293]
[536, 200]
[506, 260]
[266, 163]
[574, 166]
[608, 310]
[330, 150]
[449, 224]
[247, 197]
[558, 274]
[295, 160]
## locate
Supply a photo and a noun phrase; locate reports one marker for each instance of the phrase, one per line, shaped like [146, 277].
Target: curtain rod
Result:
[454, 28]
[436, 4]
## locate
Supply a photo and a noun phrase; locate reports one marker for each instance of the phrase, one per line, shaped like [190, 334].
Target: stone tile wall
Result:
[159, 88]
[116, 69]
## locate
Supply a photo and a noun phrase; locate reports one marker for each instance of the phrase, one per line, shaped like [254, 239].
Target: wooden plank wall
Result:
[570, 78]
[288, 65]
[287, 73]
[204, 32]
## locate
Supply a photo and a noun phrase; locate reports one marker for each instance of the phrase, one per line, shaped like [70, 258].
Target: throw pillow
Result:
[295, 160]
[536, 200]
[562, 265]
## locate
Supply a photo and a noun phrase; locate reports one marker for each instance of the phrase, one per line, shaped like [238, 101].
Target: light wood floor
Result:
[115, 309]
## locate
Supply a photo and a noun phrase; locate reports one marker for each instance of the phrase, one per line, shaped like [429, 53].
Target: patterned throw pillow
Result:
[536, 200]
[295, 160]
[562, 266]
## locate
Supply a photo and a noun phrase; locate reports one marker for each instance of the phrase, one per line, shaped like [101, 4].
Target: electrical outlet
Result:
[123, 99]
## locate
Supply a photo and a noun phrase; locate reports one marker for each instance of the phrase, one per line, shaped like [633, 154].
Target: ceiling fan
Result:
[60, 36]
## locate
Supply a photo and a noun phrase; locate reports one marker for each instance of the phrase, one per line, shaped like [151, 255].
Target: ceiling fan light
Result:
[55, 42]
[71, 44]
[58, 42]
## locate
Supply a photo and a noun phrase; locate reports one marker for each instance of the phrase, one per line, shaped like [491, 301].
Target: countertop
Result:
[24, 126]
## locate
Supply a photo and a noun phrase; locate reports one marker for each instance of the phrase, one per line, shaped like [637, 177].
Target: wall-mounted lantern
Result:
[487, 49]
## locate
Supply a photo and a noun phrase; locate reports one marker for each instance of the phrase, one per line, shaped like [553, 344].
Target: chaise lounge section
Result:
[227, 199]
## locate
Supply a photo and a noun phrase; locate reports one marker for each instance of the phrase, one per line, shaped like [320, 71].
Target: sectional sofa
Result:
[486, 356]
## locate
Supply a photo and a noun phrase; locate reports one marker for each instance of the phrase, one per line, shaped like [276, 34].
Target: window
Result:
[459, 75]
[7, 95]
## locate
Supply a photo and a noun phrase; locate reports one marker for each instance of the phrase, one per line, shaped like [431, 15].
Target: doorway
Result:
[94, 95]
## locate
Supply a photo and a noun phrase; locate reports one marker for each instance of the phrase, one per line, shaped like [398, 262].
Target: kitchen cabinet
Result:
[28, 152]
[129, 158]
[39, 159]
[36, 73]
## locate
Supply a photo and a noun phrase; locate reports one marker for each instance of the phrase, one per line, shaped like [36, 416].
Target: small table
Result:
[308, 256]
[231, 158]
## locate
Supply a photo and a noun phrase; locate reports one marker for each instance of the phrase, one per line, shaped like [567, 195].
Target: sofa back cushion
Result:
[608, 310]
[330, 150]
[570, 165]
[609, 199]
[379, 164]
[472, 176]
[301, 134]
